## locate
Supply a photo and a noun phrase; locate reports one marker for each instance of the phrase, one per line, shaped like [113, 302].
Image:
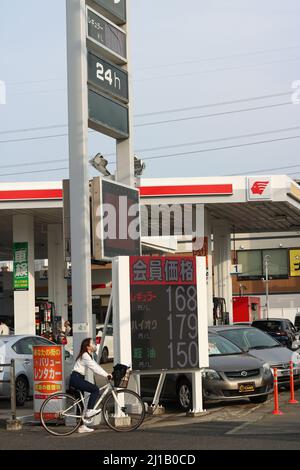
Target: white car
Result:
[19, 348]
[108, 349]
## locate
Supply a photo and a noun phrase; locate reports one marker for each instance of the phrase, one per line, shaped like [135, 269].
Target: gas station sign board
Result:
[108, 116]
[164, 313]
[107, 77]
[114, 9]
[109, 37]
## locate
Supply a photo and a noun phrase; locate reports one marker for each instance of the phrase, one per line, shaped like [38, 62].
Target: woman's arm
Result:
[87, 361]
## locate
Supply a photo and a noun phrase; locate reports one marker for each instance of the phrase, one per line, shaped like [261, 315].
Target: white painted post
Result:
[121, 310]
[202, 336]
[207, 233]
[57, 284]
[24, 301]
[79, 178]
[222, 264]
[124, 148]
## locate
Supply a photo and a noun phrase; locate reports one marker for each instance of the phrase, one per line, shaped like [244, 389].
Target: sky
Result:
[211, 87]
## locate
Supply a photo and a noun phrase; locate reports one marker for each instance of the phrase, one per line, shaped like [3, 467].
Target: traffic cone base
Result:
[293, 402]
[277, 412]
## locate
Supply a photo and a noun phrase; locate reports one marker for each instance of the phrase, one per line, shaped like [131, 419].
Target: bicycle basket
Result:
[121, 375]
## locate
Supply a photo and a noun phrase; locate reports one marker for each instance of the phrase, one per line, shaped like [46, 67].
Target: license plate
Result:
[246, 388]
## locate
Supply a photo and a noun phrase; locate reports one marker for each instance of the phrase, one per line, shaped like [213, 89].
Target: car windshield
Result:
[269, 325]
[250, 338]
[218, 346]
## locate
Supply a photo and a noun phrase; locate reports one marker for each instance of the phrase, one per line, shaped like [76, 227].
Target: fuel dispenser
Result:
[221, 316]
[45, 321]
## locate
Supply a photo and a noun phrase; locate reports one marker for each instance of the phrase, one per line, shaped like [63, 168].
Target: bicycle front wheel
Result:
[61, 414]
[126, 412]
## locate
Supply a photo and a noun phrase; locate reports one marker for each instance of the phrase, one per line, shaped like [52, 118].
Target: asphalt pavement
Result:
[239, 425]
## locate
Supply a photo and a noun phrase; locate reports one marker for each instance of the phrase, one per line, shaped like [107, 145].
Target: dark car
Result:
[297, 321]
[279, 328]
[262, 346]
[232, 374]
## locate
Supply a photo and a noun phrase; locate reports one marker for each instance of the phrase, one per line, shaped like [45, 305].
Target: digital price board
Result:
[115, 10]
[115, 219]
[107, 77]
[109, 37]
[164, 313]
[108, 116]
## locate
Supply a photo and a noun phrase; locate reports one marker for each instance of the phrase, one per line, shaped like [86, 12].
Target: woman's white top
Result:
[86, 362]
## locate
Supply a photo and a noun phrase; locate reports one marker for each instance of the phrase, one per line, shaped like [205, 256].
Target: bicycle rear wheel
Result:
[125, 414]
[61, 414]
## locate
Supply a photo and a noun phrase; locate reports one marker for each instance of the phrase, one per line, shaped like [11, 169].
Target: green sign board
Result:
[114, 9]
[20, 253]
[108, 116]
[106, 76]
[105, 34]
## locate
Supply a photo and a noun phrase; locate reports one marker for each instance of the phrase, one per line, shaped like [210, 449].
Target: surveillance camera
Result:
[100, 163]
[139, 166]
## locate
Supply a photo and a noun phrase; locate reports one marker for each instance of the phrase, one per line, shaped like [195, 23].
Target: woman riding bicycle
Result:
[83, 362]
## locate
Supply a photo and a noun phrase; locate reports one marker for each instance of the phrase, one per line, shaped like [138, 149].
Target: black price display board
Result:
[164, 316]
[115, 8]
[106, 35]
[106, 76]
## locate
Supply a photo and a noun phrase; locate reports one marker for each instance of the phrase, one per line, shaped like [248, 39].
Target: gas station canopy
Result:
[248, 203]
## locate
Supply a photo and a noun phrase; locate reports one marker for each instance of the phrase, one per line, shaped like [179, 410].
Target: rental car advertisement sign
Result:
[48, 373]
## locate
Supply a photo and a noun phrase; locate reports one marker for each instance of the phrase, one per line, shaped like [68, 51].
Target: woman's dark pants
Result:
[77, 381]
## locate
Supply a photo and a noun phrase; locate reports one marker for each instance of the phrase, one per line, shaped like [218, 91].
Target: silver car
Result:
[19, 348]
[232, 375]
[263, 347]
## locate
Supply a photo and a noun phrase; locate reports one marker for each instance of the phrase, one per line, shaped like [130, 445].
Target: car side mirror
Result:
[67, 355]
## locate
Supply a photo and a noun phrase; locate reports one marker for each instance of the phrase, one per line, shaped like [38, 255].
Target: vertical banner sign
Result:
[20, 258]
[48, 374]
[294, 263]
[164, 313]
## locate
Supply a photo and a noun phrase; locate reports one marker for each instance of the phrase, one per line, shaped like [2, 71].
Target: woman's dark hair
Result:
[83, 348]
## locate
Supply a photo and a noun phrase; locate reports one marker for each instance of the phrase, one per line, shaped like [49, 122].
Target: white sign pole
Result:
[121, 310]
[202, 335]
[79, 179]
[124, 148]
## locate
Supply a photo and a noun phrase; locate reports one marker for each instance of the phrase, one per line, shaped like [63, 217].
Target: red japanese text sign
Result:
[48, 373]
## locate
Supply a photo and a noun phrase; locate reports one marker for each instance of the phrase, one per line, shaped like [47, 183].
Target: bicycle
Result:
[123, 410]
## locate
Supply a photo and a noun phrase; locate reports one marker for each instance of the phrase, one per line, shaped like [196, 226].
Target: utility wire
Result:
[44, 162]
[209, 141]
[220, 57]
[185, 154]
[224, 113]
[265, 169]
[34, 171]
[224, 69]
[168, 111]
[186, 144]
[221, 148]
[158, 122]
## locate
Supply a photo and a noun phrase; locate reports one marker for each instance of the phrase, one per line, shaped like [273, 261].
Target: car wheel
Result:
[184, 394]
[22, 390]
[104, 356]
[259, 399]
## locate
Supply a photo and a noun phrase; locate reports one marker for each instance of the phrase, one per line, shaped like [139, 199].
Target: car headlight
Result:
[266, 368]
[211, 374]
